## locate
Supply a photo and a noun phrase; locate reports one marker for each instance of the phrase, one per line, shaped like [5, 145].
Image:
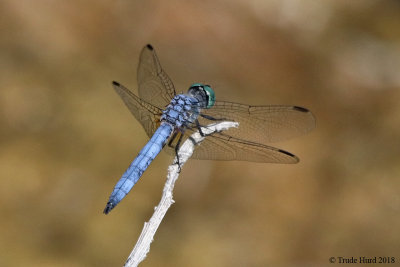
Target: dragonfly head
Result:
[204, 93]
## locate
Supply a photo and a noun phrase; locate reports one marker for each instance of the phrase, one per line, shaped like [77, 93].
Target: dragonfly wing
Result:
[155, 86]
[147, 114]
[262, 124]
[220, 146]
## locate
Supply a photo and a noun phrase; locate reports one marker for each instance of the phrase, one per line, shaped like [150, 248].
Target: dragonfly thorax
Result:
[182, 111]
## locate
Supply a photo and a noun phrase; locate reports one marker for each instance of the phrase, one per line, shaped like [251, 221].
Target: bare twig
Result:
[142, 246]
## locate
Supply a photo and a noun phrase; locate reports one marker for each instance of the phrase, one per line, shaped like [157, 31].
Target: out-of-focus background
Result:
[66, 137]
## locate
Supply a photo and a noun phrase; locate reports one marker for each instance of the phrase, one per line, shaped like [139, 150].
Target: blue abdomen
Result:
[139, 165]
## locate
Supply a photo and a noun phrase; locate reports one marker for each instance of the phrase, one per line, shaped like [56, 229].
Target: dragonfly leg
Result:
[191, 138]
[178, 144]
[211, 118]
[198, 126]
[172, 139]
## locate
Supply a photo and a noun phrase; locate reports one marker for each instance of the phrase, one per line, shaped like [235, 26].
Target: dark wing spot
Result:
[115, 83]
[287, 153]
[149, 46]
[300, 109]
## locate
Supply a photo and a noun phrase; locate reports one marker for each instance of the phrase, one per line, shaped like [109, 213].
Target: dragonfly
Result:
[169, 118]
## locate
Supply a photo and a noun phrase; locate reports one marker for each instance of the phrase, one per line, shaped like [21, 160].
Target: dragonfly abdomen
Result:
[139, 165]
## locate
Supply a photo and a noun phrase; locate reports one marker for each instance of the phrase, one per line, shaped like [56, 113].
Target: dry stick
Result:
[142, 246]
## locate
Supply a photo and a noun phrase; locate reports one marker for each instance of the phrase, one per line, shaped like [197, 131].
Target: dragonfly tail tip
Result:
[108, 208]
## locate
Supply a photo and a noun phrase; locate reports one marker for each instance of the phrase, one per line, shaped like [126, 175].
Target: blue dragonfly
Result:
[169, 118]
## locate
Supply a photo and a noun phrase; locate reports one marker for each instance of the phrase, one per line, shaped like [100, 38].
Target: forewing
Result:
[147, 114]
[262, 124]
[155, 86]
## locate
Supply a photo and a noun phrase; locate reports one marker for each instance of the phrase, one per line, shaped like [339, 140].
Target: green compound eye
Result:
[210, 94]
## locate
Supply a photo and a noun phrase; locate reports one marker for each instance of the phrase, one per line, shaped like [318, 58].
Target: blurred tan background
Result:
[66, 137]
